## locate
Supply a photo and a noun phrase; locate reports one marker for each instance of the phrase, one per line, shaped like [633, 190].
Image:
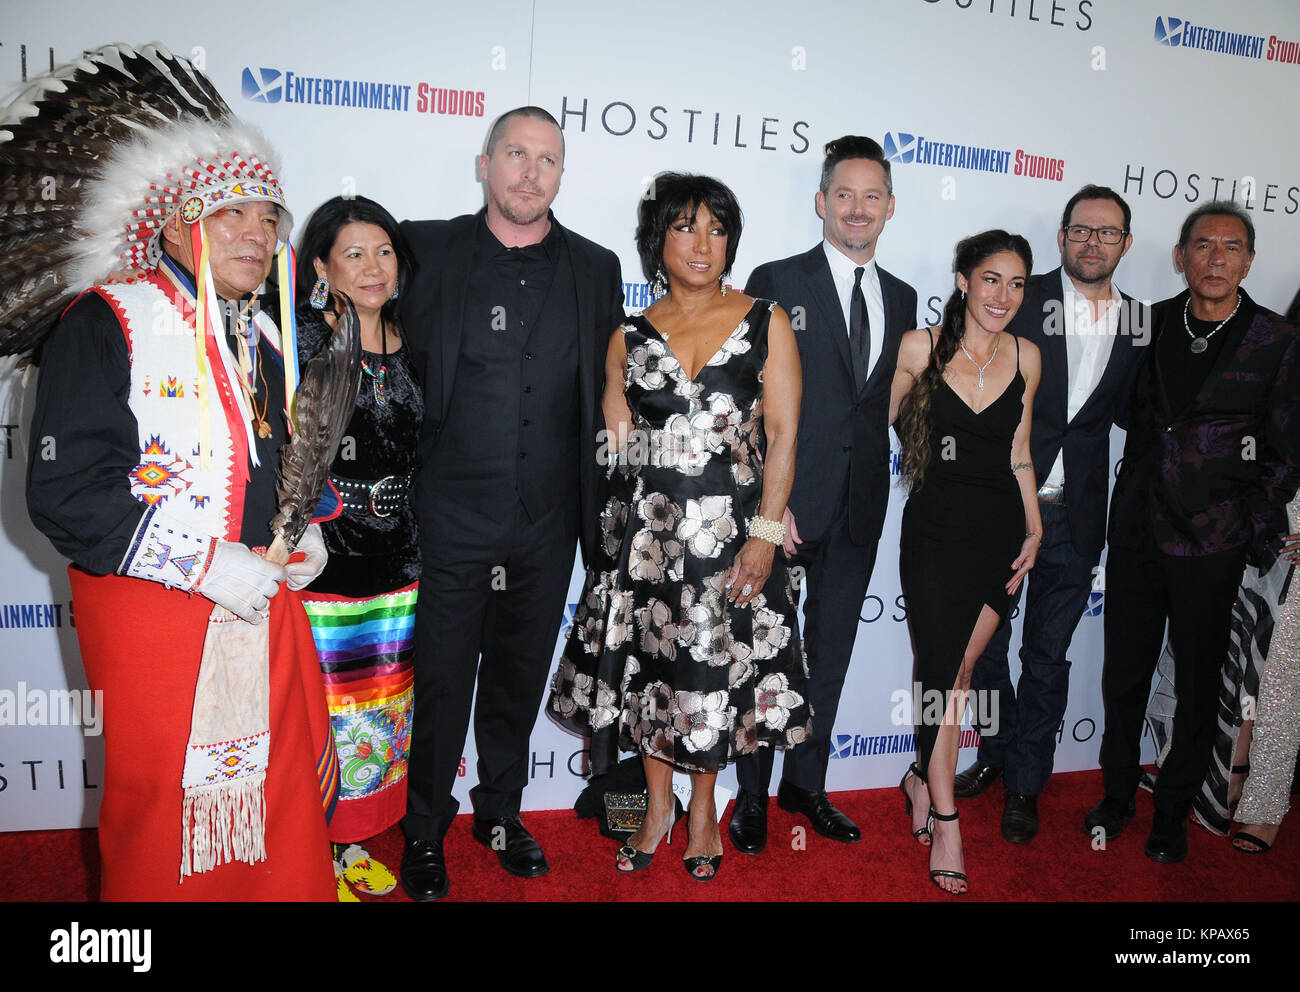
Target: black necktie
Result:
[859, 328]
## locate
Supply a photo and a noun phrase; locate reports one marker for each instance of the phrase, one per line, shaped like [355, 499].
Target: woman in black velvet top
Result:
[362, 607]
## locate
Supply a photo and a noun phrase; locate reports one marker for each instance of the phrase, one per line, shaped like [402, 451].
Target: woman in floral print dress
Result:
[686, 647]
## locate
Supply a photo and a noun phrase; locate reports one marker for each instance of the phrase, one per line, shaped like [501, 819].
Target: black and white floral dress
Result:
[658, 660]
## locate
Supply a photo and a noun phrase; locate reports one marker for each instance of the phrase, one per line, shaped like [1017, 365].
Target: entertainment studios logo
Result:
[271, 85]
[869, 745]
[918, 149]
[1176, 32]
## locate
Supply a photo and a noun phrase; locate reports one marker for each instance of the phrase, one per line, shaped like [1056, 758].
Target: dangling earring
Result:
[722, 283]
[396, 288]
[320, 294]
[660, 286]
[963, 295]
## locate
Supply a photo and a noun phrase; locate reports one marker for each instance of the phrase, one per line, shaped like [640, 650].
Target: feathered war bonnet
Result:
[196, 167]
[95, 159]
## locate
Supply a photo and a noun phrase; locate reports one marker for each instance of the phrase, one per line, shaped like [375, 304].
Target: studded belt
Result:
[1051, 494]
[378, 497]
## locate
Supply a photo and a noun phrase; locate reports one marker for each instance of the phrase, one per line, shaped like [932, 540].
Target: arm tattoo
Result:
[1017, 466]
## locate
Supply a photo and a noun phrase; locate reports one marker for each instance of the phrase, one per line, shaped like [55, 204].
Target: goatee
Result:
[519, 218]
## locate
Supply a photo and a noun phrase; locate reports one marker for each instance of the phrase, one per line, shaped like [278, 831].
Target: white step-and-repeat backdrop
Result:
[1171, 102]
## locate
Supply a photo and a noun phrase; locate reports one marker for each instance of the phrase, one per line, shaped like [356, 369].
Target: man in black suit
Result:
[848, 315]
[508, 320]
[1211, 460]
[1090, 336]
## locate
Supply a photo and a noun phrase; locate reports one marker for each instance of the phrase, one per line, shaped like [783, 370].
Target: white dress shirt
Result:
[842, 268]
[1087, 350]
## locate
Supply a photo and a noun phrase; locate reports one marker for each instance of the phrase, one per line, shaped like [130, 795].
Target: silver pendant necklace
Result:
[978, 367]
[1199, 344]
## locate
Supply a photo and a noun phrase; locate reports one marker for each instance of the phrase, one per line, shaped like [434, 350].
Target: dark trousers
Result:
[835, 574]
[492, 594]
[1029, 716]
[1195, 594]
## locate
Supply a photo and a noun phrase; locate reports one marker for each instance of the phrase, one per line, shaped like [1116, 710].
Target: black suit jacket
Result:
[1218, 474]
[432, 312]
[843, 431]
[1085, 440]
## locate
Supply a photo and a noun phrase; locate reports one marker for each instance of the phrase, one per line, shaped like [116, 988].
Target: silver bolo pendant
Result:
[1201, 342]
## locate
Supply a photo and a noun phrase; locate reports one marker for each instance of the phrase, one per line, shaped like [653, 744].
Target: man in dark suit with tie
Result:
[508, 319]
[848, 315]
[1090, 336]
[1211, 460]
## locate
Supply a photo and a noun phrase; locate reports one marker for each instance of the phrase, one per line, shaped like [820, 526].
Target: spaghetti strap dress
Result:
[961, 531]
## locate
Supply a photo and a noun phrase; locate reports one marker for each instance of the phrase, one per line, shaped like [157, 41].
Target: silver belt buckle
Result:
[1051, 494]
[374, 493]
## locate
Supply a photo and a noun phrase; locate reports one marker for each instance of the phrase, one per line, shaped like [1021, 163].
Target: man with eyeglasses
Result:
[1089, 335]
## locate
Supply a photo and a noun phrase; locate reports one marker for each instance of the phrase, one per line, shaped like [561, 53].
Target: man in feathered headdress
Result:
[160, 412]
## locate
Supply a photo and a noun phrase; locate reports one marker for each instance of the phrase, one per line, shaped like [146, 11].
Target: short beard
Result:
[518, 219]
[1079, 276]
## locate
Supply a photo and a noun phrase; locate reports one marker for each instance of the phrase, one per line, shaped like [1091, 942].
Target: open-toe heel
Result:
[694, 864]
[938, 873]
[919, 832]
[699, 862]
[640, 860]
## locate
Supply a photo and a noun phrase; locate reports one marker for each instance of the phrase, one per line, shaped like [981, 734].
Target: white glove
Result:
[303, 573]
[240, 581]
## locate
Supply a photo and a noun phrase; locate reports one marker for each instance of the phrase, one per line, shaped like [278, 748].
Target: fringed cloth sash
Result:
[224, 813]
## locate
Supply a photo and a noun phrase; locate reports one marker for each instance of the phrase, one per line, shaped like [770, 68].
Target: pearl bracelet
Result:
[772, 531]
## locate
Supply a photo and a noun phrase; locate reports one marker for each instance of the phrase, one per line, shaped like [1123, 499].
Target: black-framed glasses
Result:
[1106, 235]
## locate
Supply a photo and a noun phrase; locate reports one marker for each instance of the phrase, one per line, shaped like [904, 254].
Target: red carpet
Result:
[1060, 865]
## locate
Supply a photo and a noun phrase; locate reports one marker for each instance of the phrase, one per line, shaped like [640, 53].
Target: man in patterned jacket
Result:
[1211, 459]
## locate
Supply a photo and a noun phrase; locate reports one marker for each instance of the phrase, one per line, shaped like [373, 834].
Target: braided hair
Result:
[914, 417]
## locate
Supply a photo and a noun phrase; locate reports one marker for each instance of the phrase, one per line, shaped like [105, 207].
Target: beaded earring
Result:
[320, 294]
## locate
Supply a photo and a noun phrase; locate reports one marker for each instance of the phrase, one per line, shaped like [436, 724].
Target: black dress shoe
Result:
[1020, 818]
[1110, 815]
[1168, 840]
[424, 870]
[518, 853]
[748, 829]
[825, 818]
[974, 780]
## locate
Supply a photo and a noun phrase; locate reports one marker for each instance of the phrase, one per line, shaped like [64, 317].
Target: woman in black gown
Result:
[362, 607]
[685, 646]
[963, 394]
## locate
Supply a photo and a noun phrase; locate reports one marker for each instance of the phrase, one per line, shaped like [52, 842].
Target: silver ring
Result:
[747, 589]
